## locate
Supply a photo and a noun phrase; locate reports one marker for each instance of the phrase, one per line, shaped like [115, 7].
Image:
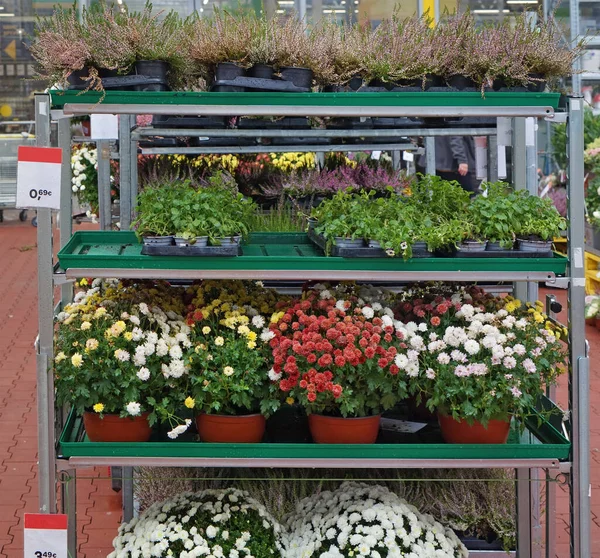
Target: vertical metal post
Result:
[492, 158]
[579, 373]
[125, 171]
[523, 514]
[45, 383]
[396, 160]
[105, 218]
[66, 197]
[430, 155]
[519, 175]
[68, 500]
[575, 32]
[127, 493]
[133, 175]
[302, 10]
[531, 183]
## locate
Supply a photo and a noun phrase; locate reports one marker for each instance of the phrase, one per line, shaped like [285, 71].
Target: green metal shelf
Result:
[541, 442]
[285, 256]
[334, 100]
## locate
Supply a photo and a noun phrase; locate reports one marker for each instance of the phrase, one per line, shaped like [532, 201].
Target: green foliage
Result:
[592, 201]
[591, 131]
[539, 219]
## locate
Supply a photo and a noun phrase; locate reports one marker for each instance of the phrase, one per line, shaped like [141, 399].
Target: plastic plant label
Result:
[504, 127]
[501, 161]
[45, 535]
[408, 156]
[104, 126]
[38, 177]
[404, 426]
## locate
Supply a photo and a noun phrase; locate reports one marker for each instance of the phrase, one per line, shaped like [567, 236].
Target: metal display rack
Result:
[541, 454]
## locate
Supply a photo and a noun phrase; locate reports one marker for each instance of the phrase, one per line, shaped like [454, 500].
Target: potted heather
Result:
[336, 357]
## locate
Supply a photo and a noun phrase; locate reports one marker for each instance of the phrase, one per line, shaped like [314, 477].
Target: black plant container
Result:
[261, 71]
[538, 83]
[288, 425]
[460, 82]
[76, 79]
[228, 70]
[106, 73]
[431, 80]
[355, 83]
[499, 83]
[152, 69]
[300, 77]
[380, 83]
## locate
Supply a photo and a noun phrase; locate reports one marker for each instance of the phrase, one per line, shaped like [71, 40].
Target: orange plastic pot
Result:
[339, 430]
[113, 428]
[233, 429]
[598, 323]
[461, 432]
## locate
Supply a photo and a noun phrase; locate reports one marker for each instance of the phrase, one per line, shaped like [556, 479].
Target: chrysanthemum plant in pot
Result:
[336, 358]
[108, 364]
[485, 367]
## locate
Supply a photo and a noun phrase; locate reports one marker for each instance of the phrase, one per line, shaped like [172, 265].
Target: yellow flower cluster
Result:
[225, 162]
[289, 162]
[512, 304]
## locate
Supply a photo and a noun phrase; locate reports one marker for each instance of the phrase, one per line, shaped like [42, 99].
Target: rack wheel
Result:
[34, 222]
[23, 215]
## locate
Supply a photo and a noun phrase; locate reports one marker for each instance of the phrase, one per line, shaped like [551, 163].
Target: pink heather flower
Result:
[509, 362]
[516, 391]
[529, 365]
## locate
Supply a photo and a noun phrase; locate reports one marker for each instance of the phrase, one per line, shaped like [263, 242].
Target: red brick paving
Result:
[98, 507]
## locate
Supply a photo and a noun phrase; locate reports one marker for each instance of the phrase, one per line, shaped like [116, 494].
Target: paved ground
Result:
[98, 506]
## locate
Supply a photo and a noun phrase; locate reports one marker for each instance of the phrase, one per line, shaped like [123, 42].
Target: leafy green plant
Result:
[539, 219]
[591, 131]
[153, 212]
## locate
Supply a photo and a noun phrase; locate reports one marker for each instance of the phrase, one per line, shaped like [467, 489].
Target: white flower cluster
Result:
[363, 521]
[204, 524]
[82, 159]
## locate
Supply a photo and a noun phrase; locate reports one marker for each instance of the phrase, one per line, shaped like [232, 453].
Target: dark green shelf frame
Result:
[388, 99]
[276, 251]
[547, 443]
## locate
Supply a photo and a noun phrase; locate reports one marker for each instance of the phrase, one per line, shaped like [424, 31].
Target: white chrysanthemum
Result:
[258, 322]
[325, 294]
[133, 408]
[274, 376]
[143, 374]
[367, 312]
[266, 335]
[175, 352]
[472, 347]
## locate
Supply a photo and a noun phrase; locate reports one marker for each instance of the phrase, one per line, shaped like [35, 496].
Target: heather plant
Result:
[294, 47]
[340, 51]
[59, 47]
[456, 34]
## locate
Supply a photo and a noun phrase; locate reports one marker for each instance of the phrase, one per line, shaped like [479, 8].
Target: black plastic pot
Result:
[152, 69]
[499, 83]
[408, 83]
[355, 83]
[460, 82]
[431, 80]
[261, 71]
[106, 73]
[76, 78]
[289, 424]
[538, 83]
[228, 70]
[300, 77]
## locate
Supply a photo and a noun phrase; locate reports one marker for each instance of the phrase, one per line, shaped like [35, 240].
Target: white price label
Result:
[408, 156]
[45, 535]
[104, 126]
[38, 177]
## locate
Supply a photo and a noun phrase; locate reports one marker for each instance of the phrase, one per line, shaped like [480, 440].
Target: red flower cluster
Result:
[316, 344]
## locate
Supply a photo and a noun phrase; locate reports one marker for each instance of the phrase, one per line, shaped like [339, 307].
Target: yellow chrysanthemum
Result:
[60, 357]
[85, 326]
[76, 360]
[243, 330]
[276, 317]
[98, 407]
[206, 330]
[128, 335]
[91, 344]
[228, 371]
[100, 312]
[83, 282]
[189, 402]
[252, 336]
[251, 344]
[219, 341]
[290, 400]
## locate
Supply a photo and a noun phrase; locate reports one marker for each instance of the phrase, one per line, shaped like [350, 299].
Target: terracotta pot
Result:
[598, 323]
[461, 432]
[338, 430]
[233, 429]
[591, 321]
[113, 428]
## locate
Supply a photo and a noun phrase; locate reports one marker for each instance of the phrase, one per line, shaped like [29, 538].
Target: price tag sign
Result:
[45, 535]
[38, 177]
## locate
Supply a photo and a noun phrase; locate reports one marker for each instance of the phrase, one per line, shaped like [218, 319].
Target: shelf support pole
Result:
[580, 492]
[430, 155]
[44, 356]
[127, 493]
[66, 197]
[125, 171]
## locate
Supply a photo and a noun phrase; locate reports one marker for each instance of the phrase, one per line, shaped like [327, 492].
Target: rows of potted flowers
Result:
[438, 215]
[235, 52]
[229, 354]
[356, 519]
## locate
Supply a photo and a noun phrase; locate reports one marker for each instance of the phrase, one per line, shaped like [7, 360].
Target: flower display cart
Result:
[545, 451]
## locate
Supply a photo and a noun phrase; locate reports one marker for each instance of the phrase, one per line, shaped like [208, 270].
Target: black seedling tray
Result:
[298, 141]
[207, 251]
[363, 252]
[398, 122]
[120, 82]
[225, 142]
[167, 121]
[502, 254]
[149, 143]
[261, 84]
[288, 122]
